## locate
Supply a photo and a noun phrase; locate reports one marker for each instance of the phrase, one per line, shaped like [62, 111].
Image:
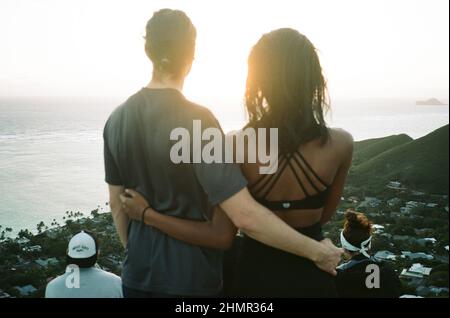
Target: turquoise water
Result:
[51, 156]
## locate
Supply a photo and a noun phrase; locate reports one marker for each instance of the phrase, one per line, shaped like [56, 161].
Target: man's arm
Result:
[264, 226]
[114, 181]
[120, 218]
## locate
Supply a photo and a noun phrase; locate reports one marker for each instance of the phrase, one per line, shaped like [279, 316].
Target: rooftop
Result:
[46, 262]
[420, 269]
[26, 290]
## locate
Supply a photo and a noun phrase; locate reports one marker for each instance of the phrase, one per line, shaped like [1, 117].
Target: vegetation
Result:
[18, 266]
[367, 149]
[421, 164]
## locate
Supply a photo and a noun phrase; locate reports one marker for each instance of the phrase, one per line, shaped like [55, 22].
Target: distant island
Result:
[430, 102]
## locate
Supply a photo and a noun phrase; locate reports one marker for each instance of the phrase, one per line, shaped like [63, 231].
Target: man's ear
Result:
[188, 68]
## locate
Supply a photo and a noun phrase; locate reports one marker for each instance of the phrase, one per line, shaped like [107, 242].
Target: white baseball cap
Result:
[82, 245]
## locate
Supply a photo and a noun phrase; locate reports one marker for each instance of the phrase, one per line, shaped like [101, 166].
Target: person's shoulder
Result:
[117, 115]
[341, 135]
[341, 139]
[197, 111]
[57, 280]
[55, 285]
[111, 281]
[108, 275]
[130, 102]
[196, 108]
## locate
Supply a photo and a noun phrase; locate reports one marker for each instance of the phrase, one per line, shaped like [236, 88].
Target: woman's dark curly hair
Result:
[286, 89]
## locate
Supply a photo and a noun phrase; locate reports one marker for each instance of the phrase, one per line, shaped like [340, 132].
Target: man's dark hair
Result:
[170, 42]
[85, 262]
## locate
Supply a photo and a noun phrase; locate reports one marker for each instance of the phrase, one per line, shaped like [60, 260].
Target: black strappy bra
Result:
[262, 187]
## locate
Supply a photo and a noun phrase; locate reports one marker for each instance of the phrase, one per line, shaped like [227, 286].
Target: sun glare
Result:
[49, 49]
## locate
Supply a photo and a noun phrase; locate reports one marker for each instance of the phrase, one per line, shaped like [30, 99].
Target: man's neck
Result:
[169, 83]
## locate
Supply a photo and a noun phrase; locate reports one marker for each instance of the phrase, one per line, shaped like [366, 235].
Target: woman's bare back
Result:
[314, 169]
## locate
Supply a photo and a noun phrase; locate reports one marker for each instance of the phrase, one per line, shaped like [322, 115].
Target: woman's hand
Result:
[133, 203]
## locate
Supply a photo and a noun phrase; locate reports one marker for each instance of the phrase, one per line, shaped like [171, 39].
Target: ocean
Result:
[51, 149]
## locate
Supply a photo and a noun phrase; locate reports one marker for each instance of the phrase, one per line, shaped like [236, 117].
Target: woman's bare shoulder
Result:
[341, 138]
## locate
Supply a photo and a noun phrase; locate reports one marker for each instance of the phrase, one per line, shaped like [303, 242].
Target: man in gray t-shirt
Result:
[137, 155]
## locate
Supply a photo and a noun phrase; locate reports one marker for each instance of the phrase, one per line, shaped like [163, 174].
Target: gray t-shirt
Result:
[137, 155]
[93, 283]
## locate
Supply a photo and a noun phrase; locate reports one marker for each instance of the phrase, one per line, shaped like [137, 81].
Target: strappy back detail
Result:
[314, 199]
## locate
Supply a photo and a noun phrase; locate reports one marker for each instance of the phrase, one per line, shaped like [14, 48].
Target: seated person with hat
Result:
[83, 278]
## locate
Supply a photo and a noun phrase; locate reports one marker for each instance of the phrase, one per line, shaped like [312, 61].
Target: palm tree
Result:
[40, 226]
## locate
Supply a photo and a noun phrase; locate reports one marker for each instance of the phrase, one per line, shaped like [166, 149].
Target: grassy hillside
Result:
[421, 164]
[368, 149]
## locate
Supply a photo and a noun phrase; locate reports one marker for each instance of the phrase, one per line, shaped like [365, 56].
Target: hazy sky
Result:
[395, 48]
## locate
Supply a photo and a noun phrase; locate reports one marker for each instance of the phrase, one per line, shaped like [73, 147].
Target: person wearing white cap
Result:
[83, 278]
[352, 277]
